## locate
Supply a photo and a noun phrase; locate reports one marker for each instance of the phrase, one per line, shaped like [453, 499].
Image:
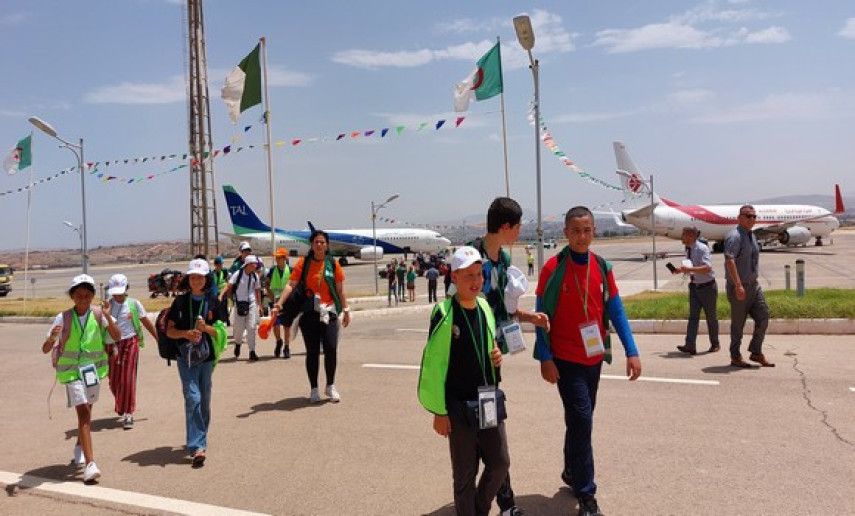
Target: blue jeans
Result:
[196, 384]
[577, 385]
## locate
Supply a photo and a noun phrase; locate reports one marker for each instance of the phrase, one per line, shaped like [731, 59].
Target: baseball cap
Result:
[81, 279]
[218, 259]
[198, 266]
[516, 287]
[464, 257]
[250, 259]
[244, 246]
[281, 253]
[117, 285]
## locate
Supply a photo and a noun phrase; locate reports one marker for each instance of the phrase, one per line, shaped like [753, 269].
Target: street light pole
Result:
[77, 149]
[374, 210]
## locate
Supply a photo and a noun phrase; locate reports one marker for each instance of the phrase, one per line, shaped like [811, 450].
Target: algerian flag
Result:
[20, 157]
[484, 82]
[242, 88]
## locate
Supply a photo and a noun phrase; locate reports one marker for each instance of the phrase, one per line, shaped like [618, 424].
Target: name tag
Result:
[513, 337]
[487, 413]
[592, 339]
[89, 375]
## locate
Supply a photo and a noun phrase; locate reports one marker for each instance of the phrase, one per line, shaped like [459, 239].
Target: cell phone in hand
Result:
[670, 267]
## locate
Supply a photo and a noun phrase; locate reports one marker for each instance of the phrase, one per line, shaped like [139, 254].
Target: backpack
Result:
[167, 347]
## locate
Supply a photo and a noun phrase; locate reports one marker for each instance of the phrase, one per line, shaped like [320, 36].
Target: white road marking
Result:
[391, 366]
[606, 376]
[852, 389]
[663, 380]
[117, 496]
[413, 330]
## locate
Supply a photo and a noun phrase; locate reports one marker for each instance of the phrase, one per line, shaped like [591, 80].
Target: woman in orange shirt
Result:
[324, 304]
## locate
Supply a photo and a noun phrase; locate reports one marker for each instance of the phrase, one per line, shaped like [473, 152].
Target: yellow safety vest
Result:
[84, 346]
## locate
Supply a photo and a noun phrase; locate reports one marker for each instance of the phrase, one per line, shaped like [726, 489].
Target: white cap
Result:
[516, 287]
[118, 285]
[82, 278]
[198, 266]
[464, 257]
[250, 259]
[244, 246]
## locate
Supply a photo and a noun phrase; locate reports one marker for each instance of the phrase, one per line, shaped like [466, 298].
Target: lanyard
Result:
[202, 304]
[587, 284]
[75, 321]
[477, 342]
[496, 269]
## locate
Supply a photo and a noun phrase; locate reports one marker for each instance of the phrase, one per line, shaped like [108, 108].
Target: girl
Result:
[411, 284]
[80, 358]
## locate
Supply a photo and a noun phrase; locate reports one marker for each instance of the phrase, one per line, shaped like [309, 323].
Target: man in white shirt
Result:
[247, 293]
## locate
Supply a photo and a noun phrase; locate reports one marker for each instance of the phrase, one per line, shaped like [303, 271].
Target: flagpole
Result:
[263, 42]
[504, 134]
[27, 249]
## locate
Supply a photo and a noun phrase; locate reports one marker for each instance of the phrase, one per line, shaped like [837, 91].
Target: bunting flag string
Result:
[106, 178]
[40, 181]
[549, 142]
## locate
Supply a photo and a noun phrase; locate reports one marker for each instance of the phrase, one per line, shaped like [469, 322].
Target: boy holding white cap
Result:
[79, 356]
[458, 383]
[130, 317]
[247, 290]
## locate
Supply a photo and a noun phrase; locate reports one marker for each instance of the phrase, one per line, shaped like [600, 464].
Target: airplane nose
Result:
[445, 242]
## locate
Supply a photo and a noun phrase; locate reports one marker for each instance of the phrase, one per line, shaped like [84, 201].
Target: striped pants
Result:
[124, 358]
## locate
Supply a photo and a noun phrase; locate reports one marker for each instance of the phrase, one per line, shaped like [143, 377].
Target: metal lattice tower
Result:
[203, 200]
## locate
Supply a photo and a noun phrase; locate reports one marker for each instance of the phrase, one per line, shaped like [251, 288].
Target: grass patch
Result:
[50, 306]
[817, 303]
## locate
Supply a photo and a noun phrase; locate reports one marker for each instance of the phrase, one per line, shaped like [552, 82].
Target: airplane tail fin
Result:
[311, 226]
[244, 220]
[636, 189]
[838, 201]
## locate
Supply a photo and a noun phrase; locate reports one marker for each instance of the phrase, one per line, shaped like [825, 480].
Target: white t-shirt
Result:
[57, 321]
[245, 291]
[124, 319]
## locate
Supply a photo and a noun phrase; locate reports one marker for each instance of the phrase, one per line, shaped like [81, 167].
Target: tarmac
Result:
[693, 436]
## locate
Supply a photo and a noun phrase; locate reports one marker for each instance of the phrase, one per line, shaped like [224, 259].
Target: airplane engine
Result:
[795, 236]
[370, 253]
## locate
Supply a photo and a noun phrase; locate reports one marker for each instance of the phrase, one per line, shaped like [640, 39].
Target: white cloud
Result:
[691, 96]
[550, 34]
[467, 25]
[693, 30]
[413, 120]
[580, 118]
[848, 30]
[785, 106]
[12, 113]
[172, 90]
[281, 77]
[12, 19]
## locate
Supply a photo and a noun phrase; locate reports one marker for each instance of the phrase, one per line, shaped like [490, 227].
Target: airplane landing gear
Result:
[818, 242]
[343, 261]
[718, 247]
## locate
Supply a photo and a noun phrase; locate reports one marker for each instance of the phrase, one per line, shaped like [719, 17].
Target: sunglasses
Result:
[749, 215]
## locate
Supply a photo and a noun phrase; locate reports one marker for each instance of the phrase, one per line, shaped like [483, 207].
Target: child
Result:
[80, 358]
[246, 287]
[458, 383]
[130, 317]
[411, 284]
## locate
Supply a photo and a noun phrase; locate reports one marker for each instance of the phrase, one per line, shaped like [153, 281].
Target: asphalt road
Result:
[719, 441]
[827, 266]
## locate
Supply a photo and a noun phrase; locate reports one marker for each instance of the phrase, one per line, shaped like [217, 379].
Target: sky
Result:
[722, 100]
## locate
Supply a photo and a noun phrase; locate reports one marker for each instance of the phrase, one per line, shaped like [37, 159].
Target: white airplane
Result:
[787, 224]
[358, 243]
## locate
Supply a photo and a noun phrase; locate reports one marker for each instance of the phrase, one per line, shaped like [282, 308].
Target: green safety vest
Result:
[221, 277]
[278, 282]
[435, 357]
[135, 319]
[84, 346]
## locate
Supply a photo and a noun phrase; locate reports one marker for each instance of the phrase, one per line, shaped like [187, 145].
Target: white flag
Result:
[463, 92]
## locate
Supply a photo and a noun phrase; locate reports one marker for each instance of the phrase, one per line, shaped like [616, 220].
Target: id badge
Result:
[89, 375]
[487, 412]
[512, 331]
[592, 339]
[317, 303]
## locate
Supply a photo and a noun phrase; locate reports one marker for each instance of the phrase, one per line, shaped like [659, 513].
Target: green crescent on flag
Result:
[20, 157]
[483, 83]
[242, 88]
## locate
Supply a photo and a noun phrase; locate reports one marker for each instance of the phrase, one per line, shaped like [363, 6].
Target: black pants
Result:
[316, 333]
[431, 291]
[468, 445]
[577, 385]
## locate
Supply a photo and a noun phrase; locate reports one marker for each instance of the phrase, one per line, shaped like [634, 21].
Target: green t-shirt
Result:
[411, 277]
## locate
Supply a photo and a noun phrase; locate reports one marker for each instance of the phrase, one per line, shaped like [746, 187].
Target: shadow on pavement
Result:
[724, 369]
[105, 423]
[287, 405]
[160, 456]
[675, 354]
[36, 477]
[562, 502]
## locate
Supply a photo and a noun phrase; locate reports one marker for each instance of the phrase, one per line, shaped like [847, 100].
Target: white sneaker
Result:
[332, 394]
[91, 472]
[79, 460]
[129, 422]
[315, 396]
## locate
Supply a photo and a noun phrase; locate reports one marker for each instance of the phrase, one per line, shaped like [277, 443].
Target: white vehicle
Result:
[787, 224]
[358, 243]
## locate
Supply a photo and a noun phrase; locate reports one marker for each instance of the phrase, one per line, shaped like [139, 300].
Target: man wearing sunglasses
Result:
[741, 257]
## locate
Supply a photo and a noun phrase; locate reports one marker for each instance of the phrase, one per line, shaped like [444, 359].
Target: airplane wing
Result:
[763, 230]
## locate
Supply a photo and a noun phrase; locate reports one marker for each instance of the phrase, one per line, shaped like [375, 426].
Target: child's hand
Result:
[496, 355]
[442, 425]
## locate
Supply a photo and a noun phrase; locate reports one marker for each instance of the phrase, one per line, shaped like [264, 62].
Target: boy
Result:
[277, 277]
[245, 285]
[577, 291]
[458, 383]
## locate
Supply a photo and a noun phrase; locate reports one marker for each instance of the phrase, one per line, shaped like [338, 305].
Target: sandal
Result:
[199, 458]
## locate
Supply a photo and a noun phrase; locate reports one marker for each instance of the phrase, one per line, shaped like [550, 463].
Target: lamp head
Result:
[69, 224]
[390, 199]
[43, 126]
[525, 34]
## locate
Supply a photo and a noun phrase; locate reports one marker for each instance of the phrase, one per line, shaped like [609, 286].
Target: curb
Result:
[639, 326]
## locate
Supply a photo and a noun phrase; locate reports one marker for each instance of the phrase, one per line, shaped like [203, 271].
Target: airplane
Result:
[785, 224]
[358, 243]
